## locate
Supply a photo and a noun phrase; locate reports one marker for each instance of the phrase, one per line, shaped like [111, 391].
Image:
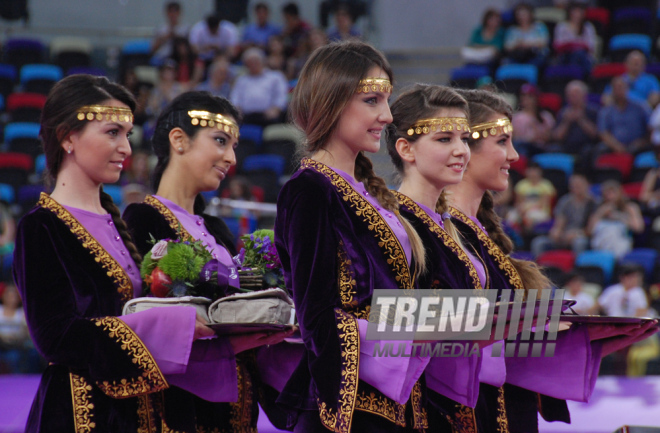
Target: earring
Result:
[69, 151]
[180, 149]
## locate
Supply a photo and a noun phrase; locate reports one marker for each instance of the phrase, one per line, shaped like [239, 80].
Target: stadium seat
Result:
[7, 79]
[114, 191]
[645, 257]
[633, 190]
[134, 53]
[598, 175]
[600, 18]
[592, 274]
[15, 169]
[562, 259]
[550, 14]
[23, 51]
[467, 76]
[637, 174]
[39, 78]
[251, 132]
[283, 131]
[274, 163]
[603, 259]
[25, 107]
[621, 161]
[28, 196]
[7, 193]
[511, 77]
[562, 161]
[23, 138]
[602, 74]
[632, 20]
[147, 75]
[40, 165]
[521, 165]
[267, 180]
[621, 45]
[555, 78]
[68, 52]
[551, 102]
[286, 149]
[646, 160]
[653, 69]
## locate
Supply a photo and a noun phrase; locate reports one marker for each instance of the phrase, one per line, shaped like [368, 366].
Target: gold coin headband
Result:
[371, 84]
[107, 112]
[211, 120]
[500, 126]
[443, 124]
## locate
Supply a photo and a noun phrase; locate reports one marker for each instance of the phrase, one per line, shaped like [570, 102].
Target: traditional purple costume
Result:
[337, 245]
[163, 219]
[106, 373]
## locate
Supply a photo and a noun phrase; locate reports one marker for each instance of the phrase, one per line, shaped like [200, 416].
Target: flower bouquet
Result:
[260, 266]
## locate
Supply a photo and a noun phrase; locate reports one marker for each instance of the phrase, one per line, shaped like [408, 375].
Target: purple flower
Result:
[159, 250]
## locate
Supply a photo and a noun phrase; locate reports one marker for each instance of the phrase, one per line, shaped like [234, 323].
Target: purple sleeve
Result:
[570, 374]
[393, 376]
[277, 362]
[455, 378]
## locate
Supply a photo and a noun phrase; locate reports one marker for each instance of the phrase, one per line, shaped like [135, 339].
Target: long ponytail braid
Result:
[122, 229]
[441, 207]
[377, 187]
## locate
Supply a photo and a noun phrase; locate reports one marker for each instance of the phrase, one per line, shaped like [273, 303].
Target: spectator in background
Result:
[258, 33]
[576, 130]
[623, 125]
[344, 25]
[17, 353]
[654, 126]
[527, 41]
[218, 82]
[275, 57]
[585, 303]
[7, 230]
[314, 39]
[162, 46]
[571, 216]
[166, 89]
[649, 196]
[295, 29]
[214, 36]
[627, 298]
[189, 68]
[575, 38]
[487, 40]
[261, 94]
[533, 198]
[611, 223]
[642, 87]
[139, 171]
[532, 124]
[141, 92]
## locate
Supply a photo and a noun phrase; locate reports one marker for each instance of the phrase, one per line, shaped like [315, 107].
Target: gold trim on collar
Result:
[169, 217]
[111, 113]
[373, 84]
[501, 126]
[113, 268]
[493, 250]
[207, 119]
[443, 124]
[387, 241]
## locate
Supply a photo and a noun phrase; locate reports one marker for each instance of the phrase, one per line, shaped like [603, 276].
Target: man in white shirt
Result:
[214, 36]
[626, 299]
[162, 45]
[261, 94]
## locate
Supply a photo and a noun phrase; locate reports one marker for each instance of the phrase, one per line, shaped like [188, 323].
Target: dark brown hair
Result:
[59, 120]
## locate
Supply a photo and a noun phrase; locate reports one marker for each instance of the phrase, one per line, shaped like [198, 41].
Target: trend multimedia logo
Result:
[454, 323]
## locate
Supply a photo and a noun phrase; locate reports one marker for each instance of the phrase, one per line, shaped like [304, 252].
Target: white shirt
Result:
[226, 38]
[616, 301]
[258, 93]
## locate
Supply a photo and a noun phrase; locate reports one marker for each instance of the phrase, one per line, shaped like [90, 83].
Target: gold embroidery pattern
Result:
[241, 411]
[146, 422]
[101, 256]
[442, 234]
[346, 279]
[386, 239]
[382, 406]
[420, 417]
[502, 420]
[152, 379]
[169, 217]
[83, 408]
[464, 420]
[493, 250]
[340, 422]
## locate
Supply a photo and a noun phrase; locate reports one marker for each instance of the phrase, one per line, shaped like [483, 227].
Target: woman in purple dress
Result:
[517, 391]
[194, 141]
[76, 266]
[339, 235]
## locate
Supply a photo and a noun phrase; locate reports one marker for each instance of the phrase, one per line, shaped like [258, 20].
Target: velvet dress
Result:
[514, 389]
[236, 409]
[337, 245]
[106, 373]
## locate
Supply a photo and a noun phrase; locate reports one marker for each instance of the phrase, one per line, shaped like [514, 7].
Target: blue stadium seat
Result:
[468, 75]
[274, 163]
[628, 42]
[209, 195]
[561, 161]
[21, 130]
[8, 71]
[602, 259]
[114, 191]
[40, 72]
[7, 193]
[137, 46]
[253, 133]
[646, 160]
[529, 73]
[40, 164]
[645, 257]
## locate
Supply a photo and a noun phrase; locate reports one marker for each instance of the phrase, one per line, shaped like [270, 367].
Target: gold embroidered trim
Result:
[464, 420]
[442, 124]
[113, 268]
[493, 250]
[207, 119]
[241, 410]
[112, 113]
[387, 241]
[502, 420]
[169, 217]
[145, 411]
[83, 408]
[420, 417]
[381, 406]
[447, 240]
[371, 84]
[502, 125]
[340, 420]
[152, 378]
[346, 279]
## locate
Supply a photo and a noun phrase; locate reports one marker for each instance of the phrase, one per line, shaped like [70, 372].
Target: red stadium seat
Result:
[562, 259]
[621, 161]
[550, 101]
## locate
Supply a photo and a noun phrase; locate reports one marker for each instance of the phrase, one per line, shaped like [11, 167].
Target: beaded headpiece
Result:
[105, 112]
[443, 124]
[371, 84]
[500, 126]
[213, 120]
